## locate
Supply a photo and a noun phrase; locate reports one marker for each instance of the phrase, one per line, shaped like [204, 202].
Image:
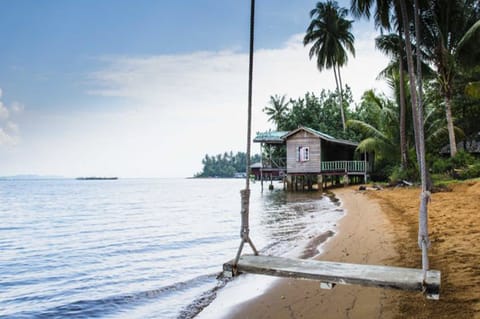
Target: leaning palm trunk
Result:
[340, 94]
[423, 240]
[342, 111]
[451, 130]
[403, 133]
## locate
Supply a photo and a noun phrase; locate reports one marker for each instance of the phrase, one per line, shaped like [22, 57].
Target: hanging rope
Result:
[245, 193]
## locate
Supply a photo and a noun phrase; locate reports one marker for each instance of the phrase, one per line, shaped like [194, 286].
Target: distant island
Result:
[226, 165]
[94, 178]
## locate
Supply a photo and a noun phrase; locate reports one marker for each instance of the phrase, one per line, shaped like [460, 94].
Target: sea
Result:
[143, 248]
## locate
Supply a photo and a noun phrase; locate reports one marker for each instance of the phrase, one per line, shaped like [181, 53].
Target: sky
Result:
[146, 88]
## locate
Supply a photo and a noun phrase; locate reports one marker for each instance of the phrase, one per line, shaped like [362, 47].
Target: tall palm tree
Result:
[445, 22]
[468, 56]
[392, 45]
[277, 109]
[331, 38]
[402, 15]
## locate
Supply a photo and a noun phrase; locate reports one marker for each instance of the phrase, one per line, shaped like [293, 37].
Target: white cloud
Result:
[3, 112]
[180, 108]
[184, 106]
[212, 78]
[7, 139]
[8, 130]
[17, 107]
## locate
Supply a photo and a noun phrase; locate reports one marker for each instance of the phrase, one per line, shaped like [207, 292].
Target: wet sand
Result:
[381, 228]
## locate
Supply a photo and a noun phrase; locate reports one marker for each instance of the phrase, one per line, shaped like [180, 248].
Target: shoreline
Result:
[380, 227]
[360, 238]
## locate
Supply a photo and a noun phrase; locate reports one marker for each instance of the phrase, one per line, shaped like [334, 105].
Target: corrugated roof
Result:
[270, 137]
[278, 137]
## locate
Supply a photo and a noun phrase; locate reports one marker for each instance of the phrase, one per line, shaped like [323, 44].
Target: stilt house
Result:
[312, 156]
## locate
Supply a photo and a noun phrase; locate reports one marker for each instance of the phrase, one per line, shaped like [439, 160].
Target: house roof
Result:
[256, 165]
[321, 135]
[279, 137]
[471, 146]
[271, 137]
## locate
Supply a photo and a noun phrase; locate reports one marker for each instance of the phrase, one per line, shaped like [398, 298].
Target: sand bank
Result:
[364, 235]
[454, 227]
[381, 228]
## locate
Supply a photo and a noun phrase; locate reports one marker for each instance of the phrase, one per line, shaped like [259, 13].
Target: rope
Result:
[245, 194]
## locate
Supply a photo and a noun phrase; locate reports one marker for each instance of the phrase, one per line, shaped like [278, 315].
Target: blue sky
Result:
[146, 88]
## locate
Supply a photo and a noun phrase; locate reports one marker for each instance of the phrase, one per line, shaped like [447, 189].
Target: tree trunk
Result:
[403, 108]
[423, 240]
[342, 111]
[420, 85]
[341, 101]
[451, 131]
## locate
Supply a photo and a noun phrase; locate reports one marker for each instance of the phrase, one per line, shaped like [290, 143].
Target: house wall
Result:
[305, 139]
[337, 152]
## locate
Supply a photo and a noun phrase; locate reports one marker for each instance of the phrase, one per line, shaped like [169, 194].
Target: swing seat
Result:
[331, 273]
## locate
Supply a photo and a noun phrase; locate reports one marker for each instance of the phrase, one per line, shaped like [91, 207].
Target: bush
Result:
[473, 171]
[462, 159]
[442, 166]
[398, 174]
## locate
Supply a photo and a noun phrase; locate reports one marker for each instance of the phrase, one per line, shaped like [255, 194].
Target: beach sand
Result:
[381, 228]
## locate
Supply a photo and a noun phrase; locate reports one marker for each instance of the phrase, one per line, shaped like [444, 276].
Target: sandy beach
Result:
[380, 227]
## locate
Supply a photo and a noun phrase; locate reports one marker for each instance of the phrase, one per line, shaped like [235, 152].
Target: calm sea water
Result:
[136, 248]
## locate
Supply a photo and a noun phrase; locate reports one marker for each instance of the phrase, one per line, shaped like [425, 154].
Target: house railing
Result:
[343, 166]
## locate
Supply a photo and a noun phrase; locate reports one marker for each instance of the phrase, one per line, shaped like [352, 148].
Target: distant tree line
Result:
[225, 165]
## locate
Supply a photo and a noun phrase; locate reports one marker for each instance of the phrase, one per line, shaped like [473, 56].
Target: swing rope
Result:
[245, 193]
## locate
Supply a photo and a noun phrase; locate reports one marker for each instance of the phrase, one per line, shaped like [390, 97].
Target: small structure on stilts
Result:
[305, 157]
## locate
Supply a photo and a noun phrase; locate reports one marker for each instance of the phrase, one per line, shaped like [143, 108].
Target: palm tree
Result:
[445, 23]
[393, 45]
[330, 36]
[468, 56]
[383, 8]
[277, 110]
[380, 132]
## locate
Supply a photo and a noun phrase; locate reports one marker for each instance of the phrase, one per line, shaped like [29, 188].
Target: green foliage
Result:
[378, 127]
[472, 171]
[462, 159]
[276, 109]
[329, 32]
[442, 166]
[399, 174]
[225, 165]
[319, 112]
[463, 165]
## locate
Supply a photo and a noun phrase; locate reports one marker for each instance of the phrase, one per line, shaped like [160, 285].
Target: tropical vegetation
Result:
[433, 73]
[225, 165]
[330, 34]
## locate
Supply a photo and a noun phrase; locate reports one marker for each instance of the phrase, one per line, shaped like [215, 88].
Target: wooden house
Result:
[313, 157]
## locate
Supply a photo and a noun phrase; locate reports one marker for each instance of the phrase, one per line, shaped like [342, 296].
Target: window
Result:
[303, 154]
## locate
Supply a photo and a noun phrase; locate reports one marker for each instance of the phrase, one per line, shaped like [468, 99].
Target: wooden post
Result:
[261, 166]
[365, 167]
[320, 182]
